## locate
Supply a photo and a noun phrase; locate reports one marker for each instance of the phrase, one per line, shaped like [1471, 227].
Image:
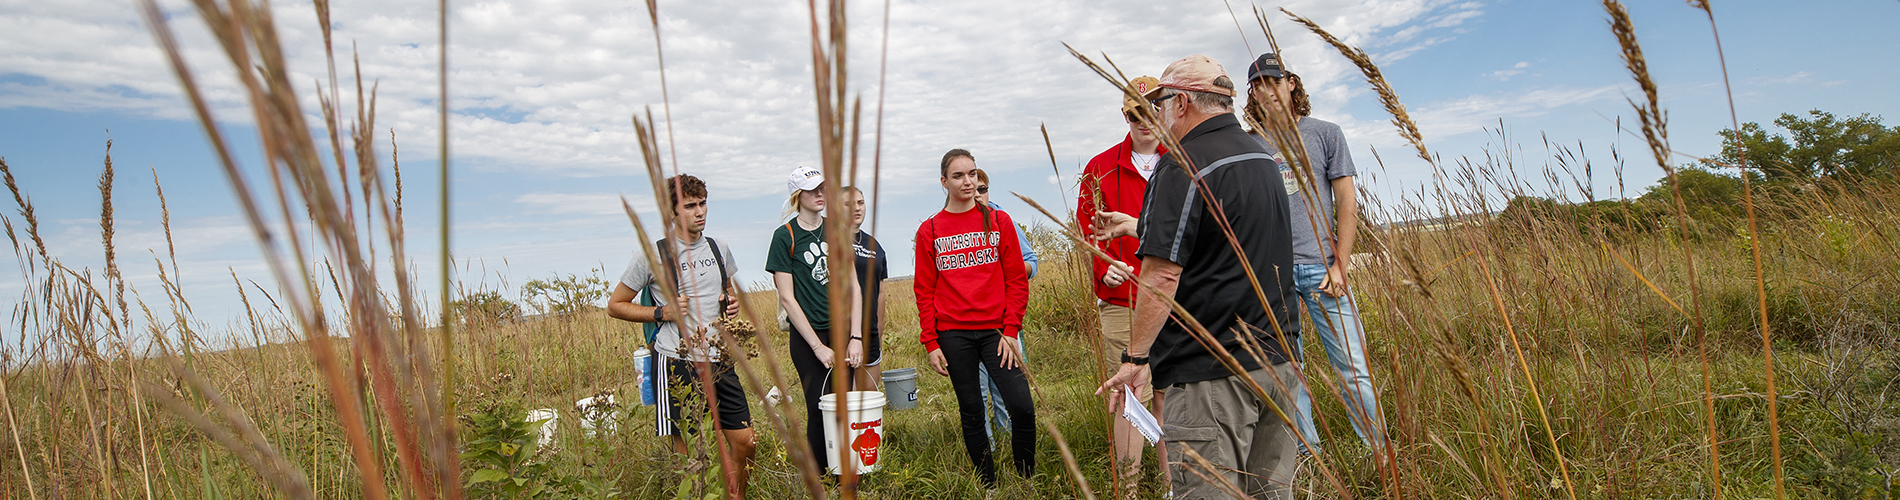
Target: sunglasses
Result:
[1130, 115]
[982, 190]
[1157, 101]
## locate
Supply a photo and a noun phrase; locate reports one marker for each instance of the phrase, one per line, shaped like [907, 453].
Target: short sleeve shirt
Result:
[801, 253]
[700, 282]
[1326, 149]
[1234, 171]
[874, 266]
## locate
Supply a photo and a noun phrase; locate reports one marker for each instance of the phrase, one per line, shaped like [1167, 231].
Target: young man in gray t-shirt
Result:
[1325, 216]
[688, 337]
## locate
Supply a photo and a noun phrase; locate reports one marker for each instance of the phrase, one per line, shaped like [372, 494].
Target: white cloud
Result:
[1506, 74]
[549, 88]
[545, 91]
[1775, 80]
[546, 203]
[1469, 114]
[1439, 120]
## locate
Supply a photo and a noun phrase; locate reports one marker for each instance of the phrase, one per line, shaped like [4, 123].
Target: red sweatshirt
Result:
[966, 281]
[1122, 188]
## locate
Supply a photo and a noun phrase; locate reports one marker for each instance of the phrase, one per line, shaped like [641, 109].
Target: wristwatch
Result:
[659, 314]
[1133, 360]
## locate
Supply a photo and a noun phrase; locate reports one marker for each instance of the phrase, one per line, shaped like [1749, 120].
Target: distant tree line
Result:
[552, 295]
[1819, 151]
[1820, 145]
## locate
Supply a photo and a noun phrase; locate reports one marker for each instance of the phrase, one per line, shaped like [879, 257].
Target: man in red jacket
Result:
[1115, 181]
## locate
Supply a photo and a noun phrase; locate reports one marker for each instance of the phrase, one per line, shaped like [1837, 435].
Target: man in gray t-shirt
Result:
[688, 337]
[1325, 213]
[1332, 164]
[699, 275]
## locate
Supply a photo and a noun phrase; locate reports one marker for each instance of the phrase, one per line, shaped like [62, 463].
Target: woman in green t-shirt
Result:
[803, 277]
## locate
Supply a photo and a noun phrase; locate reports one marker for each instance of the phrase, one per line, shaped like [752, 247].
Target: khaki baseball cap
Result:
[1197, 73]
[1141, 85]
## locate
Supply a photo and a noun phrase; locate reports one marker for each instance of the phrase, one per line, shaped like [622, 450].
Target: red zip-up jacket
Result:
[1122, 188]
[965, 280]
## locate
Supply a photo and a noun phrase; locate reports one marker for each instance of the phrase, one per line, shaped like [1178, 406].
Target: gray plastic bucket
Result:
[900, 388]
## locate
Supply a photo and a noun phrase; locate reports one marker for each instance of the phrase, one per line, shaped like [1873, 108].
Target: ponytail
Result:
[987, 216]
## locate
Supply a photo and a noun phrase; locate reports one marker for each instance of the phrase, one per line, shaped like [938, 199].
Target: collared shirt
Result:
[1112, 183]
[1235, 172]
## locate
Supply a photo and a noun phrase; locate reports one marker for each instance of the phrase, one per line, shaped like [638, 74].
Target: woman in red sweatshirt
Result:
[971, 291]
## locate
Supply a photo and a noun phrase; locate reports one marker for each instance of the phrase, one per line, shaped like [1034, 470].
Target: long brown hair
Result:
[1301, 105]
[943, 171]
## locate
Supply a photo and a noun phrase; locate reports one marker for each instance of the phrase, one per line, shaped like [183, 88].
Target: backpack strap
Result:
[667, 258]
[725, 275]
[670, 260]
[790, 250]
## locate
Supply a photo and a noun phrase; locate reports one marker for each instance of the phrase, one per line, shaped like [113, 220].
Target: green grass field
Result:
[1618, 370]
[1523, 348]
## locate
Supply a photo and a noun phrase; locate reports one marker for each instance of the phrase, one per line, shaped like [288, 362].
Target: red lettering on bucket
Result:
[858, 426]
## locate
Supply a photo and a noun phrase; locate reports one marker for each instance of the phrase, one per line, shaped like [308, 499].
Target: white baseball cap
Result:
[804, 179]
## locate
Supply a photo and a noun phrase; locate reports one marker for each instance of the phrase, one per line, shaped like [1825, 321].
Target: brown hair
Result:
[943, 170]
[1301, 105]
[691, 186]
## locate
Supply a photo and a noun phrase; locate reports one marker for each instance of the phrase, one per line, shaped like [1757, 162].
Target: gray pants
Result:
[1251, 447]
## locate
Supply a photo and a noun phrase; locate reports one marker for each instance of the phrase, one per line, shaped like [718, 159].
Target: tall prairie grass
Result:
[1613, 352]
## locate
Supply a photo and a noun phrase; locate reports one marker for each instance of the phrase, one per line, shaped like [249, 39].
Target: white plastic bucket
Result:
[548, 417]
[866, 414]
[643, 375]
[596, 413]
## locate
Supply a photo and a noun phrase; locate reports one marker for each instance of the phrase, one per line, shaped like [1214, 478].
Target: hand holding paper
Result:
[1138, 415]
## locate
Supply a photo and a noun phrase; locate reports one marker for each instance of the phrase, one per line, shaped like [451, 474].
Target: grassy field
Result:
[1616, 366]
[1586, 345]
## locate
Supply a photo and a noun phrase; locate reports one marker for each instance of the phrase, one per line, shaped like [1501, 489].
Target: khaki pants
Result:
[1118, 324]
[1223, 422]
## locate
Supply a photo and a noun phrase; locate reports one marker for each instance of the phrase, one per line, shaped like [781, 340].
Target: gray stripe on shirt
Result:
[1180, 229]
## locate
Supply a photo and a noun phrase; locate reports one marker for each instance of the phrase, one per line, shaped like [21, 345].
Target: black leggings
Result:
[811, 376]
[963, 349]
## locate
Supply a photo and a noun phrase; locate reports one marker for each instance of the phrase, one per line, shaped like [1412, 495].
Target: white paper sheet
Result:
[1138, 415]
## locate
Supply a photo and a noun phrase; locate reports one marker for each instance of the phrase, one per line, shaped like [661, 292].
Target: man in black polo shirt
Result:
[1185, 253]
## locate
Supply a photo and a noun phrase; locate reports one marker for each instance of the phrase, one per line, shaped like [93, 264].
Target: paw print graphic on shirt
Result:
[815, 256]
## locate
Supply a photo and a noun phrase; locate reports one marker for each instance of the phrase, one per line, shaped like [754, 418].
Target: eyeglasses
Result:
[982, 190]
[1157, 101]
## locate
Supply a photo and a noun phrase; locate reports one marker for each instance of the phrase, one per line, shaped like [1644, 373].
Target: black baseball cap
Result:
[1267, 65]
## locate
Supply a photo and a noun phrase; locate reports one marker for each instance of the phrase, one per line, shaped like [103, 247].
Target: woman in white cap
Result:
[799, 270]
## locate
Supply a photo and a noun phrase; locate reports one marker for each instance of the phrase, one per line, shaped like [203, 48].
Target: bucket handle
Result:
[876, 384]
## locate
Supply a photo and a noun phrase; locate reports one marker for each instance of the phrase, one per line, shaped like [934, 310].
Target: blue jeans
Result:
[999, 415]
[1336, 323]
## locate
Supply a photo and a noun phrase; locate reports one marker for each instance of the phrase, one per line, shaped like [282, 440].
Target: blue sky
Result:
[543, 92]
